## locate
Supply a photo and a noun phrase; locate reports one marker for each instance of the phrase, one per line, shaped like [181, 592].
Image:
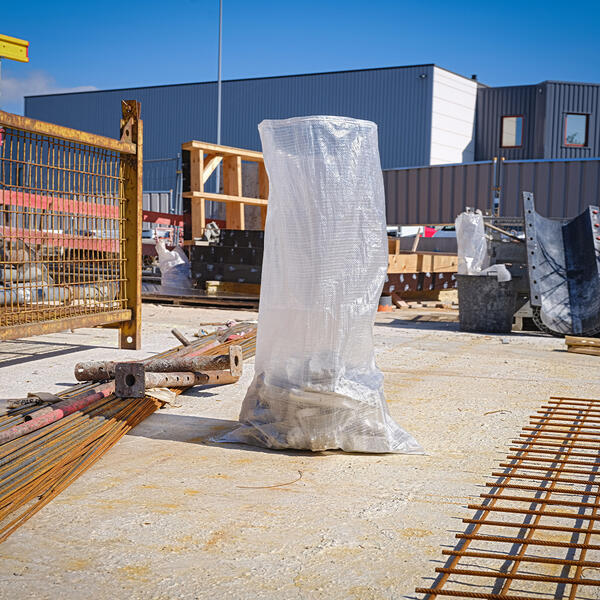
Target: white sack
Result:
[316, 385]
[174, 269]
[472, 244]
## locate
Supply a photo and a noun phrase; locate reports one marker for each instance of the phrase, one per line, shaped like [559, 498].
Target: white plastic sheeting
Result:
[316, 385]
[473, 254]
[174, 269]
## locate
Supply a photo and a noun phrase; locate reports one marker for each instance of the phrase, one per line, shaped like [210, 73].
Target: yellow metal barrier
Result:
[70, 227]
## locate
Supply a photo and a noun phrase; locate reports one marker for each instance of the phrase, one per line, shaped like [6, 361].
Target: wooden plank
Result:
[572, 340]
[592, 351]
[393, 245]
[198, 222]
[224, 198]
[263, 191]
[232, 186]
[131, 172]
[423, 262]
[66, 133]
[249, 155]
[583, 345]
[250, 289]
[211, 162]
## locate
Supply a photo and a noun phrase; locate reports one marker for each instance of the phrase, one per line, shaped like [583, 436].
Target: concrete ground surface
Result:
[168, 514]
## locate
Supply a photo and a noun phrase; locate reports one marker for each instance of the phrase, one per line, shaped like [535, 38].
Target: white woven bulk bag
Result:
[316, 385]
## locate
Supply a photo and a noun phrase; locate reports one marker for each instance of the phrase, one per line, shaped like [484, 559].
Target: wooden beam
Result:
[224, 198]
[249, 155]
[583, 345]
[263, 191]
[197, 180]
[232, 186]
[423, 262]
[211, 162]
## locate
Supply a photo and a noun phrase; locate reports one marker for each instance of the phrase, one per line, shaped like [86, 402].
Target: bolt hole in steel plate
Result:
[130, 380]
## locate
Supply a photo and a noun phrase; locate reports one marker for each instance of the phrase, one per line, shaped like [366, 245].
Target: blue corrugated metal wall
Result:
[565, 98]
[397, 99]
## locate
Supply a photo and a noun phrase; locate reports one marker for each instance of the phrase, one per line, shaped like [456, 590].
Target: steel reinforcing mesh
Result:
[62, 242]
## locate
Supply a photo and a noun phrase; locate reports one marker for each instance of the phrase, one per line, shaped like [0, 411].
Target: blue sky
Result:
[86, 45]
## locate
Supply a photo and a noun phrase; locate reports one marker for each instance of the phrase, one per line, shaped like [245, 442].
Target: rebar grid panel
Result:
[536, 533]
[66, 236]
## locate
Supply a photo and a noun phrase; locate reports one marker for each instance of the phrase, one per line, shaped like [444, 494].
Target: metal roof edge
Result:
[169, 85]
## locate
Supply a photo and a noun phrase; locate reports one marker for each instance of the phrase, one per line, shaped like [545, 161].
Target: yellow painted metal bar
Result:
[14, 48]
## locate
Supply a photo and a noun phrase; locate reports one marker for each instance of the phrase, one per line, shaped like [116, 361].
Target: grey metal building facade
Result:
[398, 99]
[544, 109]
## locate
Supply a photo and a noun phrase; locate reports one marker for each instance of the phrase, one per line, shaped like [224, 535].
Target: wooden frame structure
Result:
[70, 227]
[200, 159]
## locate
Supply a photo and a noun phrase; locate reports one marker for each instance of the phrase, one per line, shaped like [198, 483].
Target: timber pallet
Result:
[203, 299]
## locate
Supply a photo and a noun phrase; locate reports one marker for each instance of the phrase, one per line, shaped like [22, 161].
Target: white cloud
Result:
[13, 89]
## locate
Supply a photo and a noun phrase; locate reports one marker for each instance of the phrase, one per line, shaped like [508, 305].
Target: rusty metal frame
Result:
[505, 542]
[54, 275]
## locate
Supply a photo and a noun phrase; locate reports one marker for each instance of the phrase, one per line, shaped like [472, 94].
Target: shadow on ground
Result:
[14, 352]
[202, 430]
[420, 322]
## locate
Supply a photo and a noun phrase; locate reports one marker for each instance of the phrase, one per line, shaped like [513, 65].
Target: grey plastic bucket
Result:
[485, 305]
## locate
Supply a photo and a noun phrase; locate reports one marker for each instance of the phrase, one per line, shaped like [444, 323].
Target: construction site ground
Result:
[169, 514]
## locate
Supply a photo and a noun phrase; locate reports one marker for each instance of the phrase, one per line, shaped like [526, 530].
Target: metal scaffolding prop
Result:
[44, 447]
[564, 270]
[70, 227]
[535, 534]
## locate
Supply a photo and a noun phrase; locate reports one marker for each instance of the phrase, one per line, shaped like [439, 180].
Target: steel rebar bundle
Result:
[39, 463]
[538, 522]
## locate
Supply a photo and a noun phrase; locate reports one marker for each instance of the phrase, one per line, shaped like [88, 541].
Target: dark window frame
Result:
[587, 127]
[522, 117]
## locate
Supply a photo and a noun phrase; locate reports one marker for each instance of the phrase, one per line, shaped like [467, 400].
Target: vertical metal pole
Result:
[1, 85]
[218, 169]
[131, 166]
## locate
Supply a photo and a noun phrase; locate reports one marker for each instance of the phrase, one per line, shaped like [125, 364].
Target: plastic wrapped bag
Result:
[174, 269]
[473, 254]
[316, 385]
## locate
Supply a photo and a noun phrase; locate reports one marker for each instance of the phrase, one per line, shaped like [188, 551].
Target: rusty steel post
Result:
[131, 172]
[100, 370]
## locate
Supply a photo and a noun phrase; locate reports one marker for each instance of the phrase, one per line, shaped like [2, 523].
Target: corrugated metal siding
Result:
[157, 201]
[565, 98]
[492, 105]
[397, 99]
[562, 189]
[435, 195]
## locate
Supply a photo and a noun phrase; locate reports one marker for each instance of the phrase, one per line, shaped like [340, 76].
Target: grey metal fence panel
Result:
[562, 188]
[435, 195]
[158, 201]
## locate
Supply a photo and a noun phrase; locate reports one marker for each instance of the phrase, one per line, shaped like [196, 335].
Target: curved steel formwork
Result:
[564, 269]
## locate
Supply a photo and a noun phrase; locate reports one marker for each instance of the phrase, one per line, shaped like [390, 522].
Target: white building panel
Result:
[453, 118]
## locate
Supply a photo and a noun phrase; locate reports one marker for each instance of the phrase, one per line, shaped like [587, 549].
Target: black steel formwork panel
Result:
[564, 269]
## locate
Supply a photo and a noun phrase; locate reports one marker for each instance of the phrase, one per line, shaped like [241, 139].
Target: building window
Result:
[576, 129]
[512, 131]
